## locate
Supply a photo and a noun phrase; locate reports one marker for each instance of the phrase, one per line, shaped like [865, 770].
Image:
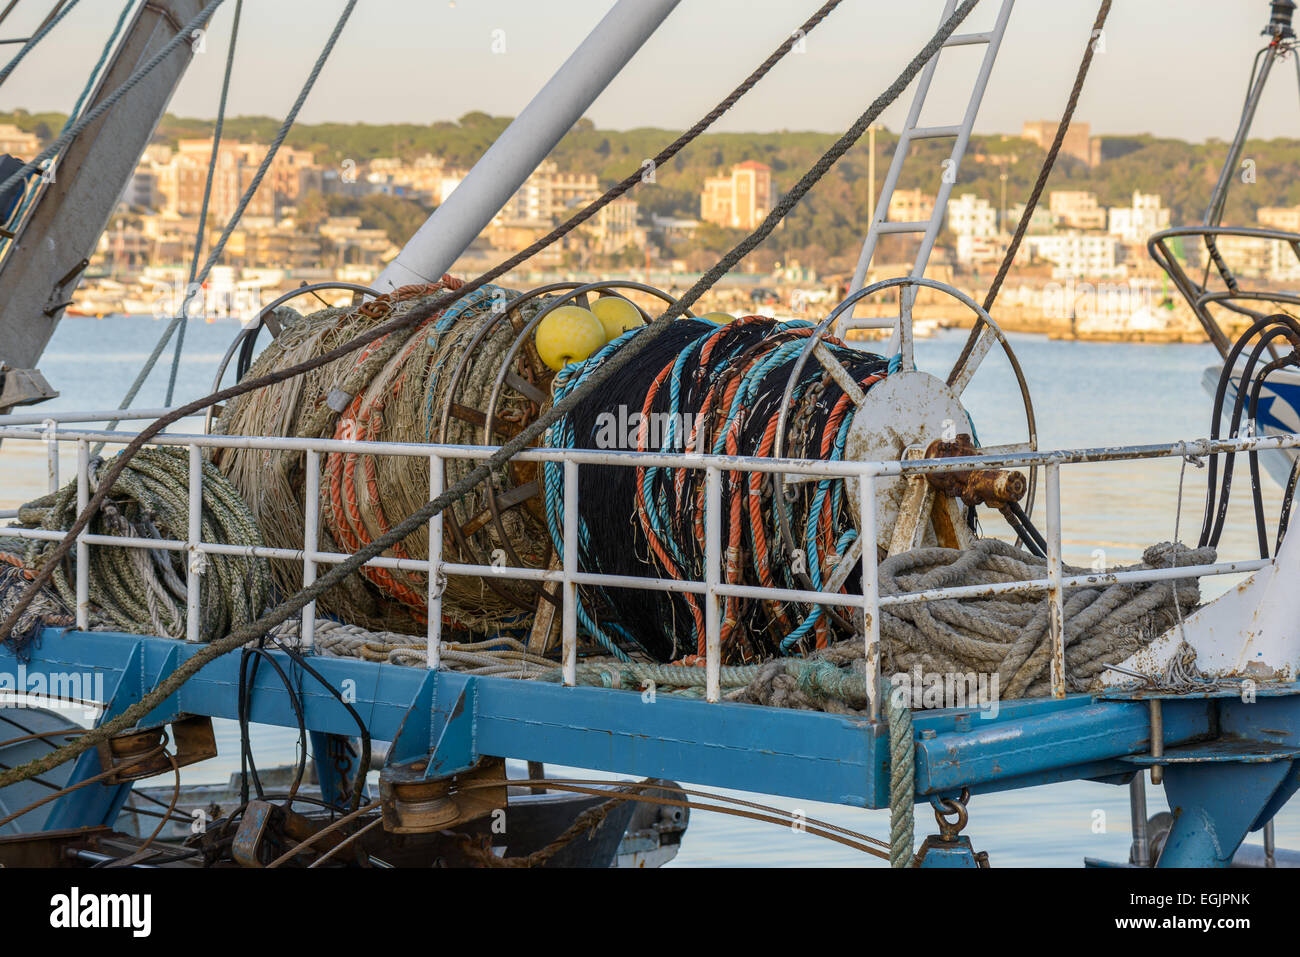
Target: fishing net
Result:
[436, 382]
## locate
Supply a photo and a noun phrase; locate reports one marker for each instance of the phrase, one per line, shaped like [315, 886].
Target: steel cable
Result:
[220, 245]
[49, 24]
[207, 197]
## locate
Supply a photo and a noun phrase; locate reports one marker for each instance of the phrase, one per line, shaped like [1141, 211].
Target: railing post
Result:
[310, 542]
[870, 590]
[433, 657]
[569, 632]
[193, 550]
[712, 578]
[1055, 596]
[83, 550]
[52, 452]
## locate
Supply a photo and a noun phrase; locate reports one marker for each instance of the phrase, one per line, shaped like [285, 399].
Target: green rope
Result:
[140, 590]
[902, 779]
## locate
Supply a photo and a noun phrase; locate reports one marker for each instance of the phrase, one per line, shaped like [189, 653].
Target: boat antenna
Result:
[1279, 23]
[1281, 42]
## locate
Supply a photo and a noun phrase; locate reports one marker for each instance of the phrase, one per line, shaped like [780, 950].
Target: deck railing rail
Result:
[54, 432]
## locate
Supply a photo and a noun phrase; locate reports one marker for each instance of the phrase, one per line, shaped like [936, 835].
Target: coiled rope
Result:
[1004, 636]
[705, 388]
[502, 657]
[143, 591]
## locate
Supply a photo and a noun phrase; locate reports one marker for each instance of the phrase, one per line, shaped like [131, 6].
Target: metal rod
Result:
[310, 540]
[1140, 852]
[52, 453]
[569, 631]
[1157, 739]
[870, 591]
[820, 468]
[525, 142]
[1214, 212]
[82, 415]
[724, 589]
[712, 578]
[83, 549]
[1055, 592]
[434, 595]
[193, 537]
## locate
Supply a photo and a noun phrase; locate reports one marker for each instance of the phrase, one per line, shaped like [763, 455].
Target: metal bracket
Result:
[958, 853]
[414, 804]
[417, 789]
[268, 830]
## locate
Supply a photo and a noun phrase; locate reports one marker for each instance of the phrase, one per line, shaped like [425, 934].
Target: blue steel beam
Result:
[1034, 746]
[801, 754]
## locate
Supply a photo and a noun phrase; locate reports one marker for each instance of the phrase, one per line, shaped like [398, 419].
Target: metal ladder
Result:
[902, 339]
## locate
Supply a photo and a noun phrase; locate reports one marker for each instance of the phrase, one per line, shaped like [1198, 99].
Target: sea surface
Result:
[1085, 394]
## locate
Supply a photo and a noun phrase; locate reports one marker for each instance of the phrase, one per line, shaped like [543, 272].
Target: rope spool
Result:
[143, 591]
[715, 389]
[469, 375]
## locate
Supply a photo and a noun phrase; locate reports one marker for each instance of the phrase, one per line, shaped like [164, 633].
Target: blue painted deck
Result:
[449, 720]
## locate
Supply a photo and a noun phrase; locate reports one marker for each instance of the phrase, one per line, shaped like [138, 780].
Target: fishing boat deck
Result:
[441, 721]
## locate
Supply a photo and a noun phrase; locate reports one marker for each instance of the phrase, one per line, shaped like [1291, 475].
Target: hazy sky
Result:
[1170, 67]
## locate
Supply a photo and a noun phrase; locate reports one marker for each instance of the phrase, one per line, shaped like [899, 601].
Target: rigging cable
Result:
[68, 135]
[244, 200]
[203, 207]
[523, 440]
[1217, 496]
[31, 195]
[50, 23]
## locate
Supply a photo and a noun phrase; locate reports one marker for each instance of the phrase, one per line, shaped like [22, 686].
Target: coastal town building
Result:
[1041, 219]
[974, 250]
[549, 194]
[741, 199]
[1136, 222]
[1078, 254]
[1078, 143]
[1076, 209]
[910, 206]
[17, 142]
[1286, 218]
[172, 182]
[614, 229]
[971, 215]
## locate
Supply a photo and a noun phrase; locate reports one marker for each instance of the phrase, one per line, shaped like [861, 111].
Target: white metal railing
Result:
[570, 577]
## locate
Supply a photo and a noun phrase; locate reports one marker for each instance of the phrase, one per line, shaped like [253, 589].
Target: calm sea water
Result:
[1085, 394]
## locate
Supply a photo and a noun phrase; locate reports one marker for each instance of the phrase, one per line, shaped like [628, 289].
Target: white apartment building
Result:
[1078, 254]
[1137, 222]
[971, 215]
[972, 250]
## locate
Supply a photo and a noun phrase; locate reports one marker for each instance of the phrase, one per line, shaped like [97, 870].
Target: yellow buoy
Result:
[721, 318]
[617, 315]
[568, 334]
